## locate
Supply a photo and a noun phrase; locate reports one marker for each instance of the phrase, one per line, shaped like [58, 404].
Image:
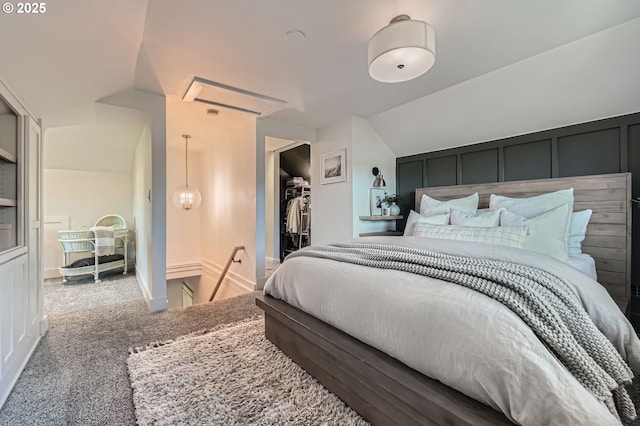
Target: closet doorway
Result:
[288, 199]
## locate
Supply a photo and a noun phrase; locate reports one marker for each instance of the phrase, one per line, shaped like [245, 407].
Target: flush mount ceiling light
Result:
[186, 197]
[225, 96]
[401, 51]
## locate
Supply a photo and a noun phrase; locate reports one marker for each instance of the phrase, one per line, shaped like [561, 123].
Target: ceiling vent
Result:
[225, 96]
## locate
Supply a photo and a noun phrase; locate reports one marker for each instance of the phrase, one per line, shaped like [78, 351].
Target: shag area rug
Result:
[229, 376]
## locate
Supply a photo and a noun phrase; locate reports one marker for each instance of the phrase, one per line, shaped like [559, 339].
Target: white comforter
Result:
[462, 338]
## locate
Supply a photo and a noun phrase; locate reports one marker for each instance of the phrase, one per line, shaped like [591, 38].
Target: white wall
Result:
[85, 195]
[271, 195]
[183, 226]
[332, 204]
[592, 78]
[87, 169]
[228, 210]
[141, 185]
[153, 279]
[369, 150]
[337, 206]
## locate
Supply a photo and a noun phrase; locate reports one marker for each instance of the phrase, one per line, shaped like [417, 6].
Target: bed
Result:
[386, 391]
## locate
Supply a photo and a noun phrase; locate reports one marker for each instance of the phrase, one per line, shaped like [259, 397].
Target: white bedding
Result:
[584, 263]
[464, 339]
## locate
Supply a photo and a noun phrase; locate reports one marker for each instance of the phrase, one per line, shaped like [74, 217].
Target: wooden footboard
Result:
[380, 388]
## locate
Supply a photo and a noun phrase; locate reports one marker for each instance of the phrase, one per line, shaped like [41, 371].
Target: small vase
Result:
[394, 209]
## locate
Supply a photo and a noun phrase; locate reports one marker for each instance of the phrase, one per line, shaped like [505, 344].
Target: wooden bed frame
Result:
[383, 390]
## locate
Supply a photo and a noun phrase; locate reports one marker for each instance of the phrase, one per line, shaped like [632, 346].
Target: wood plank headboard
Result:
[608, 238]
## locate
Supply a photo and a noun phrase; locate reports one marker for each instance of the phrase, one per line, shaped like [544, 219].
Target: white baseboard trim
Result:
[155, 305]
[237, 282]
[158, 305]
[271, 259]
[44, 324]
[51, 273]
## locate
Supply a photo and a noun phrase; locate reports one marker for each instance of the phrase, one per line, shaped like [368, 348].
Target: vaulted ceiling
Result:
[78, 52]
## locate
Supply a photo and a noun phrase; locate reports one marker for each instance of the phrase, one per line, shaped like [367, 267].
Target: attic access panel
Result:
[225, 96]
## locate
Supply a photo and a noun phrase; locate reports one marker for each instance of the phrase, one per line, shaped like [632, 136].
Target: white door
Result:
[34, 214]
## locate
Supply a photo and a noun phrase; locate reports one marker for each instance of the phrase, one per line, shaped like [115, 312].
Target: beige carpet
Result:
[231, 376]
[78, 373]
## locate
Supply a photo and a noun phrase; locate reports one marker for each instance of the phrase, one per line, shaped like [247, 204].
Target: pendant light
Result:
[401, 51]
[186, 197]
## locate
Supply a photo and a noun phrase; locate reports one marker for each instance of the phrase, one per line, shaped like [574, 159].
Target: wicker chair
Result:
[114, 220]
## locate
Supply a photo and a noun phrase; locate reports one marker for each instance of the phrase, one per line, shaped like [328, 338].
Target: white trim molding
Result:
[183, 269]
[234, 280]
[155, 305]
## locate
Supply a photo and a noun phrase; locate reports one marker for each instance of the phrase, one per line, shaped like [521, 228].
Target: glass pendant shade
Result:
[401, 51]
[186, 197]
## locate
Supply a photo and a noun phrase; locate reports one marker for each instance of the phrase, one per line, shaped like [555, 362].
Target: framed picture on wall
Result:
[333, 167]
[376, 195]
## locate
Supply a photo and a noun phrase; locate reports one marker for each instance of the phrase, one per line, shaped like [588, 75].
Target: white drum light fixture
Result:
[401, 51]
[186, 197]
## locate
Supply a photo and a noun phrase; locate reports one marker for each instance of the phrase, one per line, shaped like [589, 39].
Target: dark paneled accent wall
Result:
[610, 145]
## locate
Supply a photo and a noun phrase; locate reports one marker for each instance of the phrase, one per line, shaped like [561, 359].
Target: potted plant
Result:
[391, 200]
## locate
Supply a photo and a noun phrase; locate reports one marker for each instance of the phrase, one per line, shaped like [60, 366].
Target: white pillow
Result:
[441, 219]
[547, 232]
[577, 231]
[485, 220]
[534, 206]
[431, 207]
[508, 236]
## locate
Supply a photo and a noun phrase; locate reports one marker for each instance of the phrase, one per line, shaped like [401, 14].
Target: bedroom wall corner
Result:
[184, 226]
[228, 209]
[332, 204]
[141, 181]
[152, 218]
[267, 127]
[369, 150]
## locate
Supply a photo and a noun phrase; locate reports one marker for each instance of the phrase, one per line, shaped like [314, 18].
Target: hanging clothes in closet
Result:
[297, 221]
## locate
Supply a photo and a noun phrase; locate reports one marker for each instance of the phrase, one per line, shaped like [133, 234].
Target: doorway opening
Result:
[288, 199]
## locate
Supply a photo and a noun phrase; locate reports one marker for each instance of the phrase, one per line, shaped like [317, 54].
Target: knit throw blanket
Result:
[104, 241]
[543, 301]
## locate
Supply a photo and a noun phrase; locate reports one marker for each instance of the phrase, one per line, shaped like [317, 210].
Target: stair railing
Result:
[226, 269]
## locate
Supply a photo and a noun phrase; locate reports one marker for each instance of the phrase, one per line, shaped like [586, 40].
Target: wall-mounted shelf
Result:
[7, 202]
[377, 218]
[382, 234]
[7, 156]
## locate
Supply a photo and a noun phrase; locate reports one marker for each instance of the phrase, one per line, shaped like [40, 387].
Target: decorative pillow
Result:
[534, 206]
[440, 219]
[577, 231]
[484, 220]
[431, 207]
[547, 232]
[509, 236]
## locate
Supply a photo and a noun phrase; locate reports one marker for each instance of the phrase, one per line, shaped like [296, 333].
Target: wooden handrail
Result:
[226, 268]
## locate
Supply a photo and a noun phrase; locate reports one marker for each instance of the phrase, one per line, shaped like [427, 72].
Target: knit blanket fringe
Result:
[545, 302]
